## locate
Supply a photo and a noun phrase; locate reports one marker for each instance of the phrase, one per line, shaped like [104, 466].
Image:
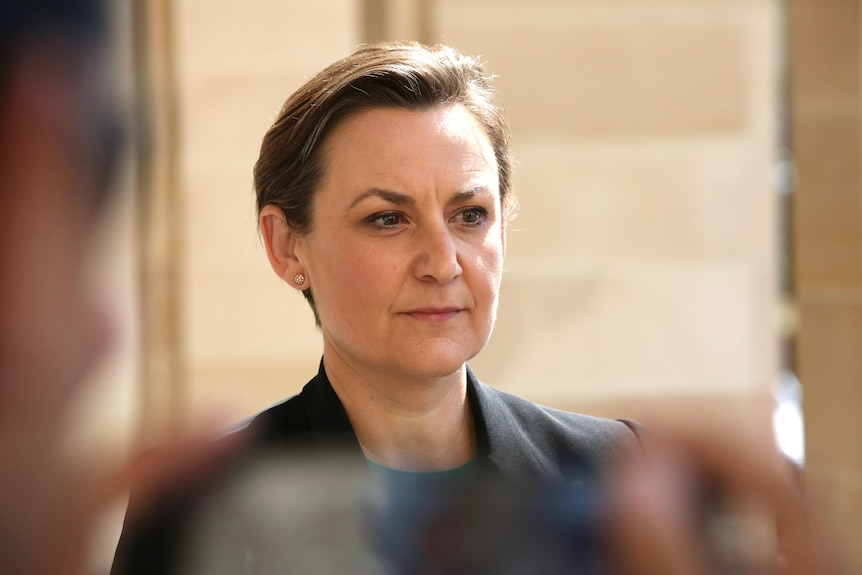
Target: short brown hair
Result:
[391, 74]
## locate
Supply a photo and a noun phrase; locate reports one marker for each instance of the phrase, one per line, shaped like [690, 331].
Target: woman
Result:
[383, 191]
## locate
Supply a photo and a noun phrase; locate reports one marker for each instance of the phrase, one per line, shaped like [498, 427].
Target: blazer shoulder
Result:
[553, 438]
[285, 421]
[585, 428]
[312, 419]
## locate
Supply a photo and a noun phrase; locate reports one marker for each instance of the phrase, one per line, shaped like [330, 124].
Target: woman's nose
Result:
[437, 257]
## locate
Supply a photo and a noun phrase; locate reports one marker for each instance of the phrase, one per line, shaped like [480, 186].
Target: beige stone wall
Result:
[249, 340]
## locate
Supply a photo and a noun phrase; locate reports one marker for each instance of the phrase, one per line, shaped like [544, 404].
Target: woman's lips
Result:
[434, 315]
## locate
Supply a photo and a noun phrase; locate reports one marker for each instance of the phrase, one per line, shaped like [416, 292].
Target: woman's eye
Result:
[387, 220]
[472, 215]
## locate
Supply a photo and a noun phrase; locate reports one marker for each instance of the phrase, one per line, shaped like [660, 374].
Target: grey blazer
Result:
[516, 440]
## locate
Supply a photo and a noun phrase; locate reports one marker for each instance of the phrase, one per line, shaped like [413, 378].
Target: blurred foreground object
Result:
[283, 513]
[702, 501]
[760, 520]
[59, 143]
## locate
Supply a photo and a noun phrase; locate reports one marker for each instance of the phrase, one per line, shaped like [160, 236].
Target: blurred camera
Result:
[326, 515]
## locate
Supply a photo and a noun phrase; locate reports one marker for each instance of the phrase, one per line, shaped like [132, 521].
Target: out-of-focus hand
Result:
[766, 525]
[49, 533]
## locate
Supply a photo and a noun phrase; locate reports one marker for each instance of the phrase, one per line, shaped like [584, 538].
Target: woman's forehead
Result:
[396, 142]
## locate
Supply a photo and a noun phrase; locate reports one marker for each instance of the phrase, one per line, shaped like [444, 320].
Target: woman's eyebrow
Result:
[399, 199]
[386, 195]
[469, 194]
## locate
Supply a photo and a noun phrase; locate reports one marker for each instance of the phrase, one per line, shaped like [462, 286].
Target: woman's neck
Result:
[407, 424]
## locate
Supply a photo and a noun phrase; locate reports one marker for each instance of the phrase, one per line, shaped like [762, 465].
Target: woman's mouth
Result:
[434, 314]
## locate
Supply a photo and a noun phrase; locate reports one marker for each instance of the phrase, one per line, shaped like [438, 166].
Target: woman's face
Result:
[406, 248]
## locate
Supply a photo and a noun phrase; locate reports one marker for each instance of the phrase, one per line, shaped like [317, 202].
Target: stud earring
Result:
[299, 279]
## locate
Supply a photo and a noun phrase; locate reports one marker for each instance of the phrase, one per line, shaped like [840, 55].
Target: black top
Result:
[516, 440]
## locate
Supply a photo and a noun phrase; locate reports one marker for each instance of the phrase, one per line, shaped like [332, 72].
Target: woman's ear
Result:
[280, 242]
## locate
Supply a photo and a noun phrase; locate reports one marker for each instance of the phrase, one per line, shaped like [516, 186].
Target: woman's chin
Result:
[438, 361]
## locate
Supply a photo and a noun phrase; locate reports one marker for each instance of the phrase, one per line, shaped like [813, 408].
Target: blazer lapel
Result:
[503, 443]
[328, 421]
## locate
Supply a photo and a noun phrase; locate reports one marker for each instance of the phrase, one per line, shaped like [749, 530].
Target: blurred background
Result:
[690, 231]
